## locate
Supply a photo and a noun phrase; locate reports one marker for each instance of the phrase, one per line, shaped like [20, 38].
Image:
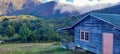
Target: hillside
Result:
[110, 10]
[8, 6]
[50, 10]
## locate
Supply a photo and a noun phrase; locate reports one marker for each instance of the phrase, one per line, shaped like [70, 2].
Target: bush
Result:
[56, 43]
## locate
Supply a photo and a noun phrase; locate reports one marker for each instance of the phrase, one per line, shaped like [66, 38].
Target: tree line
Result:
[32, 30]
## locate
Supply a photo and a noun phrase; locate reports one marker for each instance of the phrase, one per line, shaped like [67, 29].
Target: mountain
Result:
[110, 10]
[8, 6]
[54, 10]
[90, 8]
[49, 10]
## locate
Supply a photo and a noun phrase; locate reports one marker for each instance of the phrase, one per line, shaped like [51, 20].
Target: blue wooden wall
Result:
[96, 27]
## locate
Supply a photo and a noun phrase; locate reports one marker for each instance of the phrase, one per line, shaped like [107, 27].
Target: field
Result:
[33, 48]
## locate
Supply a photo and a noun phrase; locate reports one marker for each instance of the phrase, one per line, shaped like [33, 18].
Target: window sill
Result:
[84, 40]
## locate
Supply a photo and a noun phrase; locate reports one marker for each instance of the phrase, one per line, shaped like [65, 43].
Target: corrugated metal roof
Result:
[111, 18]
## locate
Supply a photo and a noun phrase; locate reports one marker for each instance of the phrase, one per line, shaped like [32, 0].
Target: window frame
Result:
[81, 35]
[85, 36]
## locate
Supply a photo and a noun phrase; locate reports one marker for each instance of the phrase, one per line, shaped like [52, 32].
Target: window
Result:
[84, 35]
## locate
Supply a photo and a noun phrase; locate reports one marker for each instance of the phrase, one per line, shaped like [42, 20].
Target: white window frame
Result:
[84, 36]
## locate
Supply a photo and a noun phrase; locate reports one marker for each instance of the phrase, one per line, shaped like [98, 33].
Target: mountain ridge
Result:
[49, 10]
[57, 10]
[8, 6]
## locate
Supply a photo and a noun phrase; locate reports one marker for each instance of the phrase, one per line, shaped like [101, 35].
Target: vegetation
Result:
[33, 48]
[26, 28]
[31, 30]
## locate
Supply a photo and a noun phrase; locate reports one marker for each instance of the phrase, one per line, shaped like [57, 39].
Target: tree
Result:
[35, 35]
[25, 32]
[10, 31]
[1, 29]
[5, 19]
[5, 22]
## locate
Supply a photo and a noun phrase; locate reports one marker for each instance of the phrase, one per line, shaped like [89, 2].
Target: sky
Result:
[83, 2]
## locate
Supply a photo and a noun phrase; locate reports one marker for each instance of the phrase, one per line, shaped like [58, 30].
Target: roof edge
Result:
[90, 14]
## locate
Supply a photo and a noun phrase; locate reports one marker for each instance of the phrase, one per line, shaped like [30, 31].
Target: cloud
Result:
[93, 2]
[83, 2]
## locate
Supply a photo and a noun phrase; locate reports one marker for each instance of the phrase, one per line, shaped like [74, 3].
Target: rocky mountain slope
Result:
[8, 6]
[49, 10]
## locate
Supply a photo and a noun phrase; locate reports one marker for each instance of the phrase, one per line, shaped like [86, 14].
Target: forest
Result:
[26, 28]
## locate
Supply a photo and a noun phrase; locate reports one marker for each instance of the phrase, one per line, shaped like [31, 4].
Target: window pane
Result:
[86, 36]
[82, 35]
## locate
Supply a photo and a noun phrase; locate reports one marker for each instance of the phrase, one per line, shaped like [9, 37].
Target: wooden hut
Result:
[98, 33]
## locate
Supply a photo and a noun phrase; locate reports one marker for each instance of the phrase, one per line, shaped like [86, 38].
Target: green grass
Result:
[33, 48]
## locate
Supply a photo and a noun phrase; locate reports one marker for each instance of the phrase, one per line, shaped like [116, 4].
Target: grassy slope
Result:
[20, 17]
[33, 48]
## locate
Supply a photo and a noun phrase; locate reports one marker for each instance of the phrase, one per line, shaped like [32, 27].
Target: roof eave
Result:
[67, 28]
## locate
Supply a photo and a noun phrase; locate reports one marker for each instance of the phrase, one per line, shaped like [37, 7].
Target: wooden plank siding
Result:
[96, 27]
